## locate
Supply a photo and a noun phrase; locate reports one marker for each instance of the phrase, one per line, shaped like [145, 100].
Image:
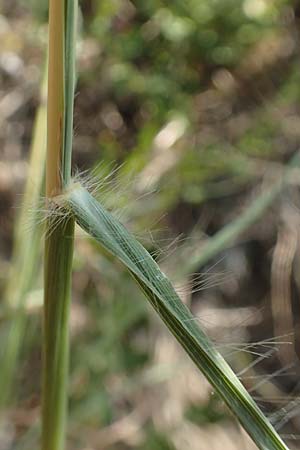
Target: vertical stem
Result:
[58, 265]
[59, 233]
[55, 121]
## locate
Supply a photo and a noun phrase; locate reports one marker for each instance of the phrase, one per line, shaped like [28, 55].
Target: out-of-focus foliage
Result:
[194, 81]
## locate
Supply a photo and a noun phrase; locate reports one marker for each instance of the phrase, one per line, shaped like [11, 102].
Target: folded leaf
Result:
[116, 239]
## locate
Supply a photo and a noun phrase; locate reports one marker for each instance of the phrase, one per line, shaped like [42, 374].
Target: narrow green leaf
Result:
[114, 237]
[71, 7]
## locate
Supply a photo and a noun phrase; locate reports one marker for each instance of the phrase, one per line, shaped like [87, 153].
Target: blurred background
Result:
[188, 114]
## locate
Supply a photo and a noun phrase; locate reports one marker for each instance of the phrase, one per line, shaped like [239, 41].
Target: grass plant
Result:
[69, 201]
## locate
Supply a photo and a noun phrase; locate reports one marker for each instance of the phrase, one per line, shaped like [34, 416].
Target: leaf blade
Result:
[112, 235]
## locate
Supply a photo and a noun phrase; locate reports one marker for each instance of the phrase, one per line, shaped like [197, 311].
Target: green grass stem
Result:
[59, 233]
[58, 265]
